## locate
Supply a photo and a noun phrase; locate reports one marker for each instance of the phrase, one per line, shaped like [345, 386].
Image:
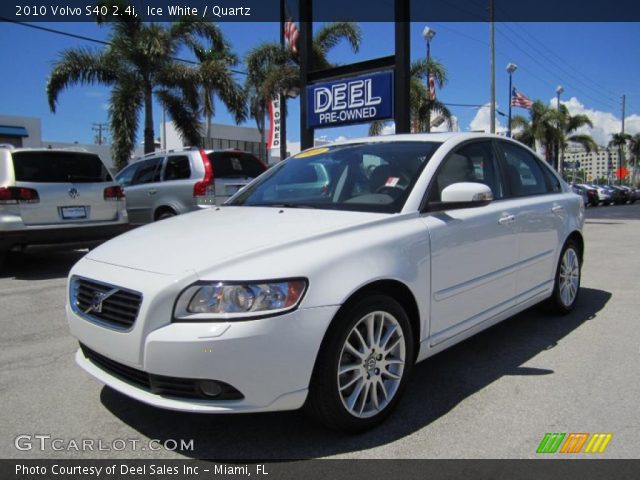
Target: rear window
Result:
[235, 165]
[59, 167]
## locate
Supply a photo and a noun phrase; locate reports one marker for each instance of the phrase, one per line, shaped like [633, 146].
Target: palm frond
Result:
[126, 100]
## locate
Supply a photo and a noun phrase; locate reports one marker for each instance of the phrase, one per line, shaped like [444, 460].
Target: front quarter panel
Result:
[338, 264]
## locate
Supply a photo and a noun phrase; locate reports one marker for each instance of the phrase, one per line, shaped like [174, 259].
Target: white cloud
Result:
[293, 147]
[341, 138]
[388, 129]
[482, 121]
[604, 123]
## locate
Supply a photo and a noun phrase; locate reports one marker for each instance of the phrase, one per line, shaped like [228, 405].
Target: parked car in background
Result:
[592, 194]
[578, 190]
[164, 184]
[326, 297]
[57, 197]
[630, 193]
[605, 194]
[621, 195]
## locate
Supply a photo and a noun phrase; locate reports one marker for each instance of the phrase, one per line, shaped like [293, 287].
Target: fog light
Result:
[209, 388]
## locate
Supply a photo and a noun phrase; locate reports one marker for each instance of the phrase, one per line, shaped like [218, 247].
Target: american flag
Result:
[291, 33]
[519, 99]
[432, 87]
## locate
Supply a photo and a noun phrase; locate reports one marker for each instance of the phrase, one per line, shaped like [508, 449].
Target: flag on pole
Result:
[519, 99]
[291, 33]
[432, 87]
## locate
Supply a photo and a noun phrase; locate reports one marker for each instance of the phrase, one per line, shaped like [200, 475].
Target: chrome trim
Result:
[73, 287]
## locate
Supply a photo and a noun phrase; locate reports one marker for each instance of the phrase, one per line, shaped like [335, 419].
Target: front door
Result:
[474, 251]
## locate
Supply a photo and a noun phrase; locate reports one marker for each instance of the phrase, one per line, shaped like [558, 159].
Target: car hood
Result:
[201, 240]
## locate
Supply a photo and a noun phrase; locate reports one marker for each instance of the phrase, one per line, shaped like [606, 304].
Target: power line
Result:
[95, 40]
[599, 91]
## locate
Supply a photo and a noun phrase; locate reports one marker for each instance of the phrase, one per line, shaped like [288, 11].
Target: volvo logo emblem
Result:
[74, 193]
[97, 299]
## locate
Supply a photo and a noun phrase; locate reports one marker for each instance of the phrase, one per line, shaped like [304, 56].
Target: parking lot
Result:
[493, 396]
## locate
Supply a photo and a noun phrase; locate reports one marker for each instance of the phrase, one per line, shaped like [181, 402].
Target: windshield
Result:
[59, 167]
[371, 177]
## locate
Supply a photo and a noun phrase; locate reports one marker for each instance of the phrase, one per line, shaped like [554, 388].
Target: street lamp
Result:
[511, 67]
[428, 34]
[559, 91]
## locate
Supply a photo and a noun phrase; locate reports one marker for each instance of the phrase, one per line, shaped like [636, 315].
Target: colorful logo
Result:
[573, 442]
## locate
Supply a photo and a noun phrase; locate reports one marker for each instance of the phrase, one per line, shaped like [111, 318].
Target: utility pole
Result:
[621, 153]
[98, 127]
[492, 42]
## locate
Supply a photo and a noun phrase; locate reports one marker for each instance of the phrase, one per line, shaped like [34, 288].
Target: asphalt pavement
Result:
[493, 396]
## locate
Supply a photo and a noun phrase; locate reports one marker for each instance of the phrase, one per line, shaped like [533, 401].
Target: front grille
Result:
[118, 307]
[158, 384]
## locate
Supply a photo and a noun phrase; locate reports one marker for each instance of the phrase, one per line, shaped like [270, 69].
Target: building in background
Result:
[598, 164]
[21, 131]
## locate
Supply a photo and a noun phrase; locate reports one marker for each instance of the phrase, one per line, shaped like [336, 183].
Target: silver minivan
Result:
[163, 184]
[57, 197]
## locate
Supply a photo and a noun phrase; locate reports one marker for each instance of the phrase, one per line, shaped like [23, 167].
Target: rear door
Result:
[474, 251]
[70, 186]
[176, 188]
[140, 182]
[233, 170]
[541, 219]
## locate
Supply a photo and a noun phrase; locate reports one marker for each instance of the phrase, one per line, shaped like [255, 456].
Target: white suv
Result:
[57, 196]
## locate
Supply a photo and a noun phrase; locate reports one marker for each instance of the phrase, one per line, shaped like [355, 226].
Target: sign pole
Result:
[305, 49]
[401, 81]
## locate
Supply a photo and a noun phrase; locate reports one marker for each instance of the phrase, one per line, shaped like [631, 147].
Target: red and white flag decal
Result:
[291, 33]
[519, 99]
[432, 87]
[274, 125]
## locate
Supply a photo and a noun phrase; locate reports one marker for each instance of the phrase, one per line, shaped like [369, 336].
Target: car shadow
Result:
[41, 263]
[437, 385]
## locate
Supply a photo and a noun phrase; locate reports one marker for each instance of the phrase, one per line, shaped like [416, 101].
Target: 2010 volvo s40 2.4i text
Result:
[323, 281]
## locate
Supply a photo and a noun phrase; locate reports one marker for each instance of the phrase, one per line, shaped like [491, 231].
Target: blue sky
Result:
[595, 62]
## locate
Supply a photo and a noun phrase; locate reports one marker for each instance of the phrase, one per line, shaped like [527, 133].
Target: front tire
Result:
[363, 365]
[567, 281]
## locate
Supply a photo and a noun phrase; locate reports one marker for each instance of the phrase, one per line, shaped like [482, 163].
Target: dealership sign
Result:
[350, 100]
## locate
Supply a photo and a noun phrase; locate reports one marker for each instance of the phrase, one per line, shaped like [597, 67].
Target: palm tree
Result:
[421, 105]
[619, 141]
[634, 150]
[553, 129]
[273, 70]
[137, 63]
[216, 78]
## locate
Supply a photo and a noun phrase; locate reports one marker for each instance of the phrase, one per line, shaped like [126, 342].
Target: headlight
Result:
[233, 300]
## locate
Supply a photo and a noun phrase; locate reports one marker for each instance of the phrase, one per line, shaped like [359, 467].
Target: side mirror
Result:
[463, 195]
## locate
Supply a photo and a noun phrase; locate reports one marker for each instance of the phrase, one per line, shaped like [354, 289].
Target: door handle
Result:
[152, 191]
[507, 220]
[557, 209]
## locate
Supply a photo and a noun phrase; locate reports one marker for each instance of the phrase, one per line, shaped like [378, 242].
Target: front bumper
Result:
[269, 361]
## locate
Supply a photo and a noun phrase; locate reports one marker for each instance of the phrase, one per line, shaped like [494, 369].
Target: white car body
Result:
[464, 270]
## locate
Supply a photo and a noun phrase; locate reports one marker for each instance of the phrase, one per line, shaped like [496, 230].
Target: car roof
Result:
[421, 137]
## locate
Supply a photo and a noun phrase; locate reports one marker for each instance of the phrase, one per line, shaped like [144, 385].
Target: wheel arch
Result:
[577, 237]
[164, 208]
[395, 289]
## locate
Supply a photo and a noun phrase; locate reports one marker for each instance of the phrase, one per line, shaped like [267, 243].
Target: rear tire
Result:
[363, 365]
[164, 214]
[566, 287]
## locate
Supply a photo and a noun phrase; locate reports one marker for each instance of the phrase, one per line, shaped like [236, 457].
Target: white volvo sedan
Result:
[322, 282]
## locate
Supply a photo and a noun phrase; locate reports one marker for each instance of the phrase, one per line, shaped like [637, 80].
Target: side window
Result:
[553, 182]
[177, 168]
[475, 162]
[525, 175]
[148, 172]
[125, 177]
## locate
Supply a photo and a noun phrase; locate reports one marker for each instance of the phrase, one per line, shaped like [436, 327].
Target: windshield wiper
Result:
[284, 205]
